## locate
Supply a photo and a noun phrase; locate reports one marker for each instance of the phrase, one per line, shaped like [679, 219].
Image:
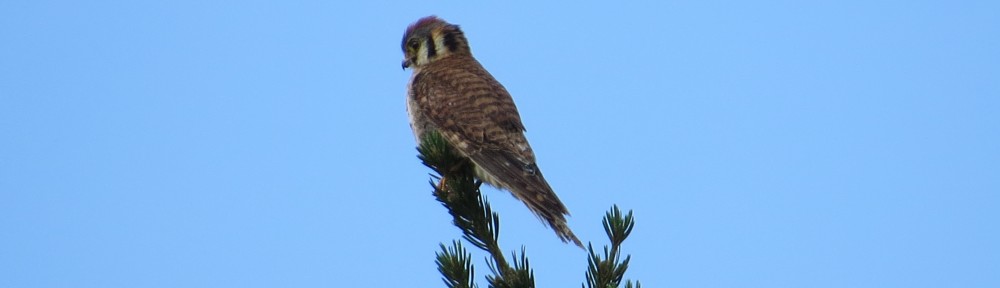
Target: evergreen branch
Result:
[608, 271]
[456, 187]
[520, 276]
[458, 191]
[454, 263]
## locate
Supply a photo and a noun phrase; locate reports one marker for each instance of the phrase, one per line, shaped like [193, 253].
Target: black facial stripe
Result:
[431, 48]
[450, 41]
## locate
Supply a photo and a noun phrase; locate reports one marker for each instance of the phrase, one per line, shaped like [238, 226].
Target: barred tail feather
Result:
[526, 183]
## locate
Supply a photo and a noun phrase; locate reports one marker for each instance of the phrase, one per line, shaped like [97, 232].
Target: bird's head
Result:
[430, 39]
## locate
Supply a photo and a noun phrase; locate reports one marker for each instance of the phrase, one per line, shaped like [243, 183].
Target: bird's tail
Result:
[563, 231]
[546, 205]
[527, 184]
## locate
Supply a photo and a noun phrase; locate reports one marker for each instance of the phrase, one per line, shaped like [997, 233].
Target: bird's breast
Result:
[418, 121]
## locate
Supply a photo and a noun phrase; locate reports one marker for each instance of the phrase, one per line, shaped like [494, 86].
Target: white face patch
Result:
[439, 44]
[422, 55]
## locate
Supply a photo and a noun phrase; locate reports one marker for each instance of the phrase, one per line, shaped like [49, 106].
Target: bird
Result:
[452, 94]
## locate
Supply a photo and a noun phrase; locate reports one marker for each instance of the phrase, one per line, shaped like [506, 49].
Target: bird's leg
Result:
[441, 183]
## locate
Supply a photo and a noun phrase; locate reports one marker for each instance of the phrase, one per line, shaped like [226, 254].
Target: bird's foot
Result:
[441, 184]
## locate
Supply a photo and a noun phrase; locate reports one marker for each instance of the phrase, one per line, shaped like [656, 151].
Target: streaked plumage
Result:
[450, 92]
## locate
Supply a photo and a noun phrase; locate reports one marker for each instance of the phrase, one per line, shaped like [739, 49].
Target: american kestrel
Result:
[451, 93]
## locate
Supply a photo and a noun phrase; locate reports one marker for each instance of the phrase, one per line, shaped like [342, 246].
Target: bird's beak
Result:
[406, 64]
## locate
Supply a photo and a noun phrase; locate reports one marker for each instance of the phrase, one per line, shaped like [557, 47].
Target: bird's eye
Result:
[414, 45]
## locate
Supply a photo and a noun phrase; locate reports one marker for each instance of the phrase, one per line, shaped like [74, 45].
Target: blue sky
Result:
[258, 144]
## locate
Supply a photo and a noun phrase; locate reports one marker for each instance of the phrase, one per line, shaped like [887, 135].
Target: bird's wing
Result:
[477, 116]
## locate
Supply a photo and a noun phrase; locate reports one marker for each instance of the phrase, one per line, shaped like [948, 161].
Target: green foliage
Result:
[608, 271]
[453, 262]
[456, 187]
